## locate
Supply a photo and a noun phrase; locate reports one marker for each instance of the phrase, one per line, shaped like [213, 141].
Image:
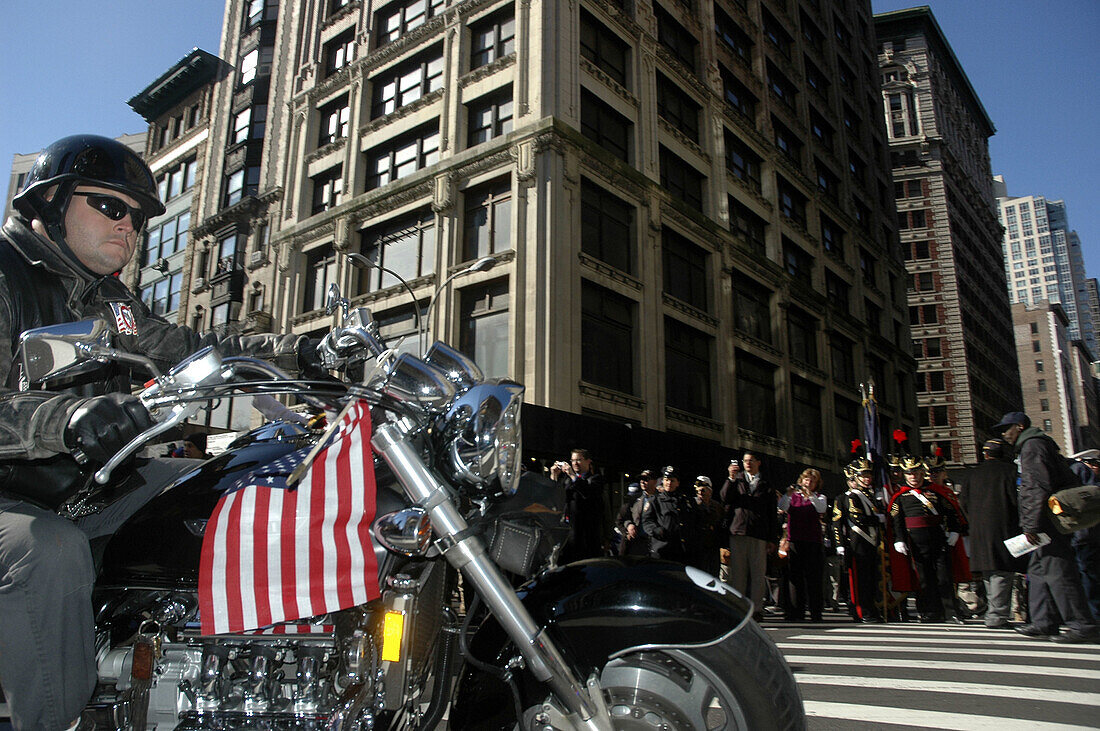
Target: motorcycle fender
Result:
[595, 609]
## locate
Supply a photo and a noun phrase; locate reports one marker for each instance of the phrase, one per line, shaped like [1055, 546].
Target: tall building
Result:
[1059, 390]
[690, 231]
[958, 305]
[1043, 259]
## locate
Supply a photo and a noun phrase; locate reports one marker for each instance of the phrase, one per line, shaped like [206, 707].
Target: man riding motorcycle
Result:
[79, 220]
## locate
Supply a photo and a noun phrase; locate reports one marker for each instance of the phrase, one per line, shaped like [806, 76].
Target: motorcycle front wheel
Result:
[740, 683]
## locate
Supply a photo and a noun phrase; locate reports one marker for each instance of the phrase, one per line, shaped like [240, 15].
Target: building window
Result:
[748, 227]
[604, 49]
[1034, 327]
[493, 38]
[404, 245]
[832, 236]
[752, 313]
[1036, 346]
[1038, 366]
[484, 333]
[1047, 425]
[675, 38]
[328, 189]
[249, 62]
[921, 250]
[607, 338]
[403, 156]
[407, 82]
[841, 354]
[827, 181]
[755, 394]
[815, 77]
[1042, 385]
[685, 269]
[930, 314]
[604, 126]
[867, 265]
[681, 179]
[792, 204]
[797, 262]
[774, 34]
[240, 184]
[806, 403]
[177, 180]
[781, 87]
[335, 121]
[607, 227]
[167, 238]
[489, 117]
[821, 130]
[742, 162]
[922, 282]
[872, 311]
[488, 219]
[847, 421]
[397, 19]
[736, 40]
[687, 368]
[837, 291]
[786, 141]
[801, 336]
[320, 272]
[339, 52]
[936, 381]
[163, 298]
[901, 110]
[737, 95]
[677, 108]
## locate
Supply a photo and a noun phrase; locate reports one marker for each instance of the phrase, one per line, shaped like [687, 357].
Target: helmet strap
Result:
[52, 214]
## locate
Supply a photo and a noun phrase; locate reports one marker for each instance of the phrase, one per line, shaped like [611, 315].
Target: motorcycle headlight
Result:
[482, 433]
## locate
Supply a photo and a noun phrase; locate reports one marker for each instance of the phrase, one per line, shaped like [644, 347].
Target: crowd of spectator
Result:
[919, 548]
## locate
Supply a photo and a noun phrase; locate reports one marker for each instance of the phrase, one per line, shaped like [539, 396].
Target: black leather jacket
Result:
[39, 287]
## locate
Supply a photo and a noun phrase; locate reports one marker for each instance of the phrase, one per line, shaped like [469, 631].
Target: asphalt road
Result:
[938, 676]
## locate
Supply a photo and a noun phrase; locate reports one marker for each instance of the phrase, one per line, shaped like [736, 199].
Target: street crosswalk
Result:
[938, 676]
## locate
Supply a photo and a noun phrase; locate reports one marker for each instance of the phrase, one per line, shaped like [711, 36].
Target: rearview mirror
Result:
[56, 350]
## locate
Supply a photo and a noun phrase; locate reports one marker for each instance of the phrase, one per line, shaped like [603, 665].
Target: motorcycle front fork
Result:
[465, 551]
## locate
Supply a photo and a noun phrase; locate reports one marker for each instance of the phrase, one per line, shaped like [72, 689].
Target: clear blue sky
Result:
[70, 66]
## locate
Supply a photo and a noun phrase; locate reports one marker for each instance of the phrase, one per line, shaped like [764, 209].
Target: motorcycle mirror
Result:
[405, 532]
[62, 350]
[335, 300]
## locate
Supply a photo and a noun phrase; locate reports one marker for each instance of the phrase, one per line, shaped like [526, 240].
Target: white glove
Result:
[840, 550]
[901, 548]
[952, 538]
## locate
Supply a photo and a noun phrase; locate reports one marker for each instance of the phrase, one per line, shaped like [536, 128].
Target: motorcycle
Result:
[475, 625]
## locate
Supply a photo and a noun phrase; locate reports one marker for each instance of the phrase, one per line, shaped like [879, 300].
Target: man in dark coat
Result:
[988, 495]
[857, 530]
[635, 541]
[751, 504]
[1086, 543]
[1054, 586]
[669, 519]
[585, 510]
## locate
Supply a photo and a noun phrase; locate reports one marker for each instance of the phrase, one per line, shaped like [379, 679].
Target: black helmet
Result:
[84, 160]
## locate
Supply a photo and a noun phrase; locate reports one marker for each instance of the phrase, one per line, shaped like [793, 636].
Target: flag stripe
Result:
[274, 554]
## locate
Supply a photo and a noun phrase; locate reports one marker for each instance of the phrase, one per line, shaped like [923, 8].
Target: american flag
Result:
[273, 553]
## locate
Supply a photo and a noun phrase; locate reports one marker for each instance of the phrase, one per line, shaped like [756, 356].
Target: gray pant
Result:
[1054, 589]
[47, 658]
[748, 560]
[998, 596]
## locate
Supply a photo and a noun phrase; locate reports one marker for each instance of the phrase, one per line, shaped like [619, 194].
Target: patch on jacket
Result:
[124, 318]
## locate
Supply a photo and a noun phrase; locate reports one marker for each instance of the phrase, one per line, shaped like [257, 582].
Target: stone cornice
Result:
[242, 212]
[695, 420]
[400, 113]
[609, 272]
[692, 312]
[483, 72]
[610, 396]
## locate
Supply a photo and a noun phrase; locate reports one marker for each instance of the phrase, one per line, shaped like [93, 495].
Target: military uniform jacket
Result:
[922, 518]
[855, 520]
[665, 520]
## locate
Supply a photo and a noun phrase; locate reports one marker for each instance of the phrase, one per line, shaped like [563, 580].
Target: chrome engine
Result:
[299, 676]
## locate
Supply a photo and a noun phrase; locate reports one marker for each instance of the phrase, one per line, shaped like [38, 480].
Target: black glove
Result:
[103, 425]
[311, 364]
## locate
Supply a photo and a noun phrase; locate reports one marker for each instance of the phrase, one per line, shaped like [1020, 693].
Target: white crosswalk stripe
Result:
[939, 677]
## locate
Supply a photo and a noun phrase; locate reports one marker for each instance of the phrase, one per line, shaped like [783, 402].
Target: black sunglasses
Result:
[115, 208]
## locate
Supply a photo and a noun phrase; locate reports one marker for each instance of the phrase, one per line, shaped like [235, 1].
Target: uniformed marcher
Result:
[664, 520]
[925, 526]
[857, 530]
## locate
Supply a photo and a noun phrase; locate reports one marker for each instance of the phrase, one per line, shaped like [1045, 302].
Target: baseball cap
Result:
[703, 480]
[647, 475]
[996, 448]
[1012, 417]
[670, 471]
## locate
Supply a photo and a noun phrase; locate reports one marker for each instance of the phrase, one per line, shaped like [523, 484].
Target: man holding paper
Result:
[1055, 596]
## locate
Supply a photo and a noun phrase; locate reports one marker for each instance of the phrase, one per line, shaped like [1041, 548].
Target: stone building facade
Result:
[958, 304]
[687, 208]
